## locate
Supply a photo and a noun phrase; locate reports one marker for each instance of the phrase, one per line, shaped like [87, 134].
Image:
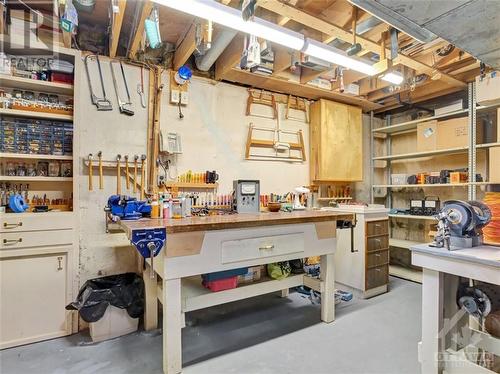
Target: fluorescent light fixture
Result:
[393, 77]
[230, 17]
[337, 57]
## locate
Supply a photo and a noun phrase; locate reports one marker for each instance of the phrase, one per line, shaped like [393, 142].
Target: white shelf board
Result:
[405, 273]
[196, 296]
[420, 185]
[6, 178]
[30, 114]
[423, 154]
[484, 183]
[410, 216]
[35, 156]
[411, 125]
[333, 198]
[36, 85]
[401, 243]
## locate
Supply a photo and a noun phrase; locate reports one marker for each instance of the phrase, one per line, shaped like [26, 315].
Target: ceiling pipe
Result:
[222, 40]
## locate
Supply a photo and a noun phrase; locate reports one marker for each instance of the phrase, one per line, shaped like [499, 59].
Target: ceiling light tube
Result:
[393, 77]
[336, 56]
[230, 17]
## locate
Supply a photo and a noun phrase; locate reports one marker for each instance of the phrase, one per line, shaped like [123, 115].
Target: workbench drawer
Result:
[378, 258]
[377, 227]
[36, 222]
[268, 246]
[377, 277]
[14, 240]
[377, 242]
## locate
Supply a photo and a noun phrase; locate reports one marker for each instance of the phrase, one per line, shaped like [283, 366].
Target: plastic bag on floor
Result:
[125, 291]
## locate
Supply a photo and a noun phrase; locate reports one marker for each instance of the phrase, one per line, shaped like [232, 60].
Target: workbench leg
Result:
[151, 299]
[327, 277]
[432, 320]
[172, 326]
[285, 292]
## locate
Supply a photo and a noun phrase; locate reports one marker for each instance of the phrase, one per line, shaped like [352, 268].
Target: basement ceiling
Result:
[471, 25]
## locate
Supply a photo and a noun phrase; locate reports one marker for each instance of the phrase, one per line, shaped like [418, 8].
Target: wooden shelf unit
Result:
[36, 85]
[421, 185]
[38, 115]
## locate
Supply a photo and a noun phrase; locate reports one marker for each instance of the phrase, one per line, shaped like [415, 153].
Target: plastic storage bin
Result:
[115, 322]
[221, 284]
[223, 274]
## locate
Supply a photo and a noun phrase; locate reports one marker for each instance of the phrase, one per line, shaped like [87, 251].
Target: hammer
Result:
[101, 184]
[118, 175]
[127, 181]
[91, 187]
[135, 173]
[143, 175]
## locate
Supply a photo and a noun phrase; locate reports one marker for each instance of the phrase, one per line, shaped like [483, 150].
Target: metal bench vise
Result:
[149, 243]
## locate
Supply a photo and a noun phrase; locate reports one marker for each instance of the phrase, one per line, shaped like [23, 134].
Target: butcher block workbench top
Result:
[231, 221]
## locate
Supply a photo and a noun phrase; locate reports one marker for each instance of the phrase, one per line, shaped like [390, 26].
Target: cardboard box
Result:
[494, 169]
[458, 177]
[454, 133]
[427, 136]
[453, 107]
[488, 89]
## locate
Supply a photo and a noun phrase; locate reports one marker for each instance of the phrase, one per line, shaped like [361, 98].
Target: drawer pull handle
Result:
[59, 260]
[377, 255]
[12, 241]
[12, 225]
[267, 247]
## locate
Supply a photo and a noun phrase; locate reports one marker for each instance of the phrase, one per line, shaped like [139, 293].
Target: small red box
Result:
[221, 284]
[61, 77]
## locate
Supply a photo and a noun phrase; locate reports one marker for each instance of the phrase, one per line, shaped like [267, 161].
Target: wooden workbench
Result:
[441, 317]
[199, 245]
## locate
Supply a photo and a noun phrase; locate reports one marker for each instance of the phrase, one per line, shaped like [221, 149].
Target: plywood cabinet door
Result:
[336, 142]
[32, 299]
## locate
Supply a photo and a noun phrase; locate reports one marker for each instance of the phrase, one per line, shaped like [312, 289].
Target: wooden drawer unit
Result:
[35, 222]
[269, 246]
[377, 276]
[377, 258]
[14, 240]
[376, 243]
[377, 227]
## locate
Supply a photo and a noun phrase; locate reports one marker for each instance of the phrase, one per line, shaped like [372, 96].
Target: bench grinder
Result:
[460, 224]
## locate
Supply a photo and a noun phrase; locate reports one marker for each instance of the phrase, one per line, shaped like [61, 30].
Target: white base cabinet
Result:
[33, 296]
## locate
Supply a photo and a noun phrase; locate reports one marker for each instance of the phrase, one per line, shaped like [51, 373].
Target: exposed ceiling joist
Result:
[147, 6]
[229, 58]
[338, 32]
[116, 28]
[186, 48]
[282, 59]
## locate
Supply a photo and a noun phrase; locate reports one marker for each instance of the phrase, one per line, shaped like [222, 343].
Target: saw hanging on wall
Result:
[102, 103]
[124, 106]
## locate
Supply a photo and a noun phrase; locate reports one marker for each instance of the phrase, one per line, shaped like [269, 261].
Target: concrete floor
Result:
[266, 334]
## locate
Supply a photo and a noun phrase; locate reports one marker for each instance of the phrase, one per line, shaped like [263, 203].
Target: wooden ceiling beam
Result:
[229, 58]
[350, 76]
[185, 48]
[338, 32]
[116, 28]
[282, 59]
[147, 6]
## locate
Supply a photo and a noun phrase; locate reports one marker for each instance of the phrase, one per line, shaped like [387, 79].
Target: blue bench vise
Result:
[128, 208]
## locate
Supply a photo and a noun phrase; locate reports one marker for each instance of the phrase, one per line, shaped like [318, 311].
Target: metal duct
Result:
[222, 40]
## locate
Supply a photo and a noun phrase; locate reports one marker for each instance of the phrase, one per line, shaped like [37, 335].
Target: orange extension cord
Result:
[492, 230]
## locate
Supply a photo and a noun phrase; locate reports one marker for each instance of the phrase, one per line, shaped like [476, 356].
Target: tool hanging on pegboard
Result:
[102, 103]
[123, 106]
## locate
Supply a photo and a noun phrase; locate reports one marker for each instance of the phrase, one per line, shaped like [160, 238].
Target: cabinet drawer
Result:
[269, 246]
[377, 258]
[14, 240]
[377, 227]
[35, 222]
[377, 277]
[377, 243]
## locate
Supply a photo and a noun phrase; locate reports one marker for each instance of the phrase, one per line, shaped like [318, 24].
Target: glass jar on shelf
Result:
[10, 170]
[66, 169]
[21, 169]
[31, 170]
[42, 169]
[54, 168]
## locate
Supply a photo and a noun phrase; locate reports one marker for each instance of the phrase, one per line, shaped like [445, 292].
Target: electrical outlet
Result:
[174, 96]
[184, 97]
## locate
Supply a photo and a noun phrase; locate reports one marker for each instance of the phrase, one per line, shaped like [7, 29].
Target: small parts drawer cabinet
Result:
[377, 254]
